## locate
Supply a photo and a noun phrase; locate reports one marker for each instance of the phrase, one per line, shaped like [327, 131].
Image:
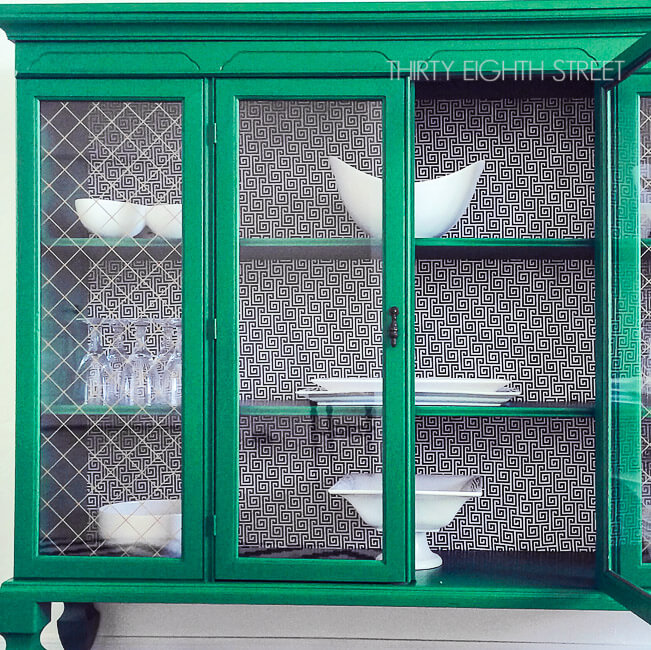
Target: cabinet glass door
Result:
[624, 256]
[111, 359]
[311, 428]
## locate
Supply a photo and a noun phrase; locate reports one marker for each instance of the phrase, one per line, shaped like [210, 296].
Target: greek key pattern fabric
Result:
[539, 153]
[530, 321]
[286, 188]
[538, 481]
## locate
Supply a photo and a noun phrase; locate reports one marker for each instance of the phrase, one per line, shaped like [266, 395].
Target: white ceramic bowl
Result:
[438, 204]
[110, 218]
[423, 384]
[165, 220]
[438, 499]
[152, 523]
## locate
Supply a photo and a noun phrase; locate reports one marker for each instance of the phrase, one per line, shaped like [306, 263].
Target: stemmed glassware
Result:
[157, 372]
[116, 358]
[173, 373]
[645, 362]
[137, 383]
[92, 369]
[116, 377]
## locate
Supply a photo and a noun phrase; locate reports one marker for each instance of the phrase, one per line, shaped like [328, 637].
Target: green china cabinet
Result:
[225, 221]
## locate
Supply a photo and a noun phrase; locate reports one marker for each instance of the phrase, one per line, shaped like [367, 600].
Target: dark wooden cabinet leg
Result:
[78, 626]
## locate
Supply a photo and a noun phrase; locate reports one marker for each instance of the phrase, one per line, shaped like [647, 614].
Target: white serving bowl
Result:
[110, 218]
[165, 220]
[423, 384]
[438, 204]
[439, 498]
[154, 523]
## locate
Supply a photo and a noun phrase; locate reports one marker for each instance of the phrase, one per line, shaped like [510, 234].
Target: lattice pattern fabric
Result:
[116, 151]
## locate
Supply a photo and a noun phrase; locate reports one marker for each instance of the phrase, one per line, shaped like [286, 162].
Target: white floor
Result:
[262, 627]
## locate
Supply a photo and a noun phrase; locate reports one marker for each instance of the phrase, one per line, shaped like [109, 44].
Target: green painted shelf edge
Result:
[110, 242]
[292, 408]
[72, 409]
[283, 248]
[523, 410]
[506, 242]
[386, 595]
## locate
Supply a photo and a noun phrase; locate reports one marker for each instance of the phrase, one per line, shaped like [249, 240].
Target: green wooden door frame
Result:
[28, 562]
[397, 429]
[621, 572]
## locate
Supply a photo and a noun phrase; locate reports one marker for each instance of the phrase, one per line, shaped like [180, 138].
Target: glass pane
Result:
[111, 190]
[645, 321]
[310, 321]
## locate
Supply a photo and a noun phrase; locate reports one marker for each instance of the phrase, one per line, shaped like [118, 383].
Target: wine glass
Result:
[172, 375]
[645, 362]
[92, 367]
[157, 372]
[136, 381]
[116, 358]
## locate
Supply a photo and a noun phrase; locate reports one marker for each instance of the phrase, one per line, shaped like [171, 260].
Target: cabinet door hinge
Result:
[214, 328]
[212, 133]
[214, 525]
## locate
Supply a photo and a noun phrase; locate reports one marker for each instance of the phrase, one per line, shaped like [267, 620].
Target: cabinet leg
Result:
[21, 621]
[23, 641]
[78, 626]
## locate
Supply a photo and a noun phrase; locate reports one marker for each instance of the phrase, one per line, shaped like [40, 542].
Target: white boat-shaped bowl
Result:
[110, 218]
[149, 524]
[438, 203]
[439, 498]
[165, 220]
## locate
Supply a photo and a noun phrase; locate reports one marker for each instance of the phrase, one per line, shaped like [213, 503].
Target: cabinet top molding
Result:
[77, 21]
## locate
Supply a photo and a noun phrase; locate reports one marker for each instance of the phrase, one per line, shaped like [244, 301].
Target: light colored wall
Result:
[238, 627]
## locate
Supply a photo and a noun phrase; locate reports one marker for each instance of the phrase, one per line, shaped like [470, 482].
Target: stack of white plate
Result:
[367, 391]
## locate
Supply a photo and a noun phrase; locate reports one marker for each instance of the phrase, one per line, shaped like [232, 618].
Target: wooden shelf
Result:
[110, 242]
[99, 411]
[517, 409]
[96, 248]
[305, 409]
[437, 247]
[298, 247]
[487, 247]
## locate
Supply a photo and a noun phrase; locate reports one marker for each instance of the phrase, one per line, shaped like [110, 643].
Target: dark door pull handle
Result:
[393, 327]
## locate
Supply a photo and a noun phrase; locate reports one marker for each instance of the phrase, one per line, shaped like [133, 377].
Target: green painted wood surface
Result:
[503, 580]
[28, 562]
[391, 30]
[626, 441]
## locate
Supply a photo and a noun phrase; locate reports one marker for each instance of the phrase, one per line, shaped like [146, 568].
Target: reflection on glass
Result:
[111, 275]
[92, 369]
[310, 325]
[137, 370]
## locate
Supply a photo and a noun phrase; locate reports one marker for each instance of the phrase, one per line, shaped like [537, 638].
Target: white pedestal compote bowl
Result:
[439, 498]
